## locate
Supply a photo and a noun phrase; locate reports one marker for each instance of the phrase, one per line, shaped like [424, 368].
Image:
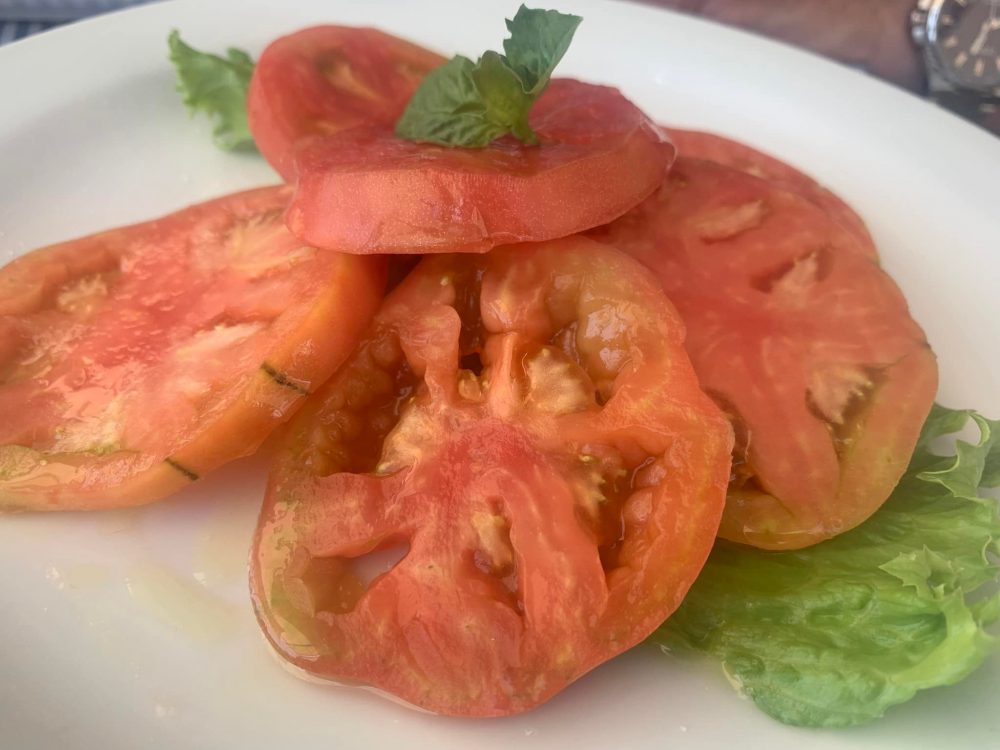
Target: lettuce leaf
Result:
[835, 634]
[216, 86]
[471, 104]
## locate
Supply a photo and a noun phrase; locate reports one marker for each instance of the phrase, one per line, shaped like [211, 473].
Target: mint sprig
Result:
[471, 104]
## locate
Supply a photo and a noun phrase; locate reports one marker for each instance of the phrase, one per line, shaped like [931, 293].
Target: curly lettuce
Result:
[833, 635]
[216, 86]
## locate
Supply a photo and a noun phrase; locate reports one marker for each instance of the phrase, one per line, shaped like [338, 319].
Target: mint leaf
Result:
[217, 87]
[538, 40]
[471, 104]
[507, 104]
[835, 634]
[447, 108]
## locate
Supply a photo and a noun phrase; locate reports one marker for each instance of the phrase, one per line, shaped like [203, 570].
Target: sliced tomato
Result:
[696, 144]
[134, 361]
[366, 191]
[324, 79]
[800, 338]
[525, 429]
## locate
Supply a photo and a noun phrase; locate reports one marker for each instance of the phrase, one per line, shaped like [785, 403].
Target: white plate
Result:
[133, 629]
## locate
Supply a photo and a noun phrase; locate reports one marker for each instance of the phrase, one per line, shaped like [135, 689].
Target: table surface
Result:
[21, 18]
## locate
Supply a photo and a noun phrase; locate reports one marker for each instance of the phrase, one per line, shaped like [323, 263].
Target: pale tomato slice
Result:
[134, 361]
[799, 336]
[324, 79]
[525, 429]
[367, 191]
[697, 144]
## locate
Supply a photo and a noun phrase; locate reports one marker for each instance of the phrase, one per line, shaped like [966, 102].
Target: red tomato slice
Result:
[366, 191]
[324, 79]
[134, 361]
[695, 144]
[526, 426]
[801, 338]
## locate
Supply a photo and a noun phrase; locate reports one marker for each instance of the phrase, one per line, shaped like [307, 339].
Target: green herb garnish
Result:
[471, 104]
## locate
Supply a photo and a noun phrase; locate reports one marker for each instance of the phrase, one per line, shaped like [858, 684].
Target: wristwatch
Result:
[960, 41]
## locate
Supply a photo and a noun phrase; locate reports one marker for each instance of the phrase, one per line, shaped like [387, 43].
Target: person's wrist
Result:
[895, 56]
[870, 34]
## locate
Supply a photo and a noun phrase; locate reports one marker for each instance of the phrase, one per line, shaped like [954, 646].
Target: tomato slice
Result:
[134, 361]
[696, 144]
[366, 191]
[324, 79]
[800, 337]
[525, 429]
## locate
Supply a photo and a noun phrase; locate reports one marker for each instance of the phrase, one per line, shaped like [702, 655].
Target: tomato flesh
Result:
[799, 336]
[525, 429]
[136, 360]
[697, 144]
[367, 191]
[324, 79]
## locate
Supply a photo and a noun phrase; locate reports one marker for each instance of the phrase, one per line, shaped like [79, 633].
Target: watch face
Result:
[966, 37]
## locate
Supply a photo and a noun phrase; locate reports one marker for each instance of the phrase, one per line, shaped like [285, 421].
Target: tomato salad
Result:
[623, 341]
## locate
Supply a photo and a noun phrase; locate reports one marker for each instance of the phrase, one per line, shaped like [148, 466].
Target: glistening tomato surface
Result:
[696, 144]
[324, 79]
[800, 338]
[136, 360]
[367, 191]
[523, 427]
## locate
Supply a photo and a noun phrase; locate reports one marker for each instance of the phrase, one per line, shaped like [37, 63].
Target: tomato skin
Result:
[697, 144]
[323, 79]
[366, 191]
[800, 338]
[136, 360]
[544, 533]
